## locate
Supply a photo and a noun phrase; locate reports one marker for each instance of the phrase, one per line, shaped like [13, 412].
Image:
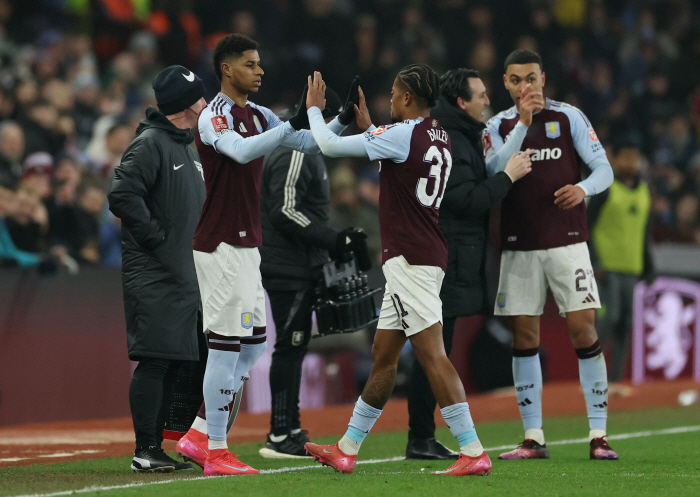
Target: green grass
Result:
[652, 465]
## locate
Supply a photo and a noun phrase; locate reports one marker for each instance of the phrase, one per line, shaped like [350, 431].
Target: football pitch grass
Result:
[659, 455]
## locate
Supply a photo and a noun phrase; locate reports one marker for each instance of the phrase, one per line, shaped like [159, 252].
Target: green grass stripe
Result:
[623, 436]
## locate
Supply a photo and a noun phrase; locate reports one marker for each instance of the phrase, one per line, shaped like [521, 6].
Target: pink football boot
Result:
[331, 455]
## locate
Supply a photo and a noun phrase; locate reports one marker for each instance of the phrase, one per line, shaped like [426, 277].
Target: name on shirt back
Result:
[438, 134]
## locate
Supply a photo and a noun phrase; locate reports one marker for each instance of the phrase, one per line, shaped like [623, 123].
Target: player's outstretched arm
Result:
[302, 140]
[330, 144]
[243, 150]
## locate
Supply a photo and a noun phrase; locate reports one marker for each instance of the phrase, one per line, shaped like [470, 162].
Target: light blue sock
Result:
[594, 382]
[363, 418]
[459, 419]
[527, 375]
[250, 353]
[218, 392]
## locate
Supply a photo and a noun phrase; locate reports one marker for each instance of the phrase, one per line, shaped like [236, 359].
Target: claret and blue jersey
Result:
[563, 140]
[415, 161]
[232, 141]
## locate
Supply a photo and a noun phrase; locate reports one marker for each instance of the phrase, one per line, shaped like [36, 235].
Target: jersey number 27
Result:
[433, 200]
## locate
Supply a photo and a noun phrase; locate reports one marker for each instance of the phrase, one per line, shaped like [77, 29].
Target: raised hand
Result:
[316, 96]
[530, 102]
[362, 112]
[300, 120]
[353, 99]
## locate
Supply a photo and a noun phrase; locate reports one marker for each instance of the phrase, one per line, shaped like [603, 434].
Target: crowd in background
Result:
[75, 79]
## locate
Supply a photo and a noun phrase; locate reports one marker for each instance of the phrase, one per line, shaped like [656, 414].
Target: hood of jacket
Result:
[454, 118]
[155, 119]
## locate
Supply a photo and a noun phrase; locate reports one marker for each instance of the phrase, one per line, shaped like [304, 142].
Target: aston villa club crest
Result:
[247, 320]
[258, 126]
[501, 300]
[552, 129]
[666, 330]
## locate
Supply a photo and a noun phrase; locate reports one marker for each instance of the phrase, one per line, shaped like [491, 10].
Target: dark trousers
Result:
[421, 401]
[291, 312]
[150, 395]
[615, 319]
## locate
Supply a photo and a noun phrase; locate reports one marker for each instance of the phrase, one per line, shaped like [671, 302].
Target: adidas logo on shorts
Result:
[589, 298]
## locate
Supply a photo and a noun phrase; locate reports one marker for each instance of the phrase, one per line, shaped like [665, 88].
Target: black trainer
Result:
[428, 448]
[151, 460]
[301, 436]
[292, 447]
[179, 465]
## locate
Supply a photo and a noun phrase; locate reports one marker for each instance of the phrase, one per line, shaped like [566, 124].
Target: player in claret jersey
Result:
[232, 137]
[415, 165]
[543, 238]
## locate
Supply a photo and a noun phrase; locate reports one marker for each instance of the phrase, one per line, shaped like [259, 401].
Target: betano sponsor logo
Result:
[545, 154]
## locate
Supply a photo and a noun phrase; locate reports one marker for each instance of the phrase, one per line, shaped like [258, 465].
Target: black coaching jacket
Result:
[295, 205]
[464, 214]
[158, 192]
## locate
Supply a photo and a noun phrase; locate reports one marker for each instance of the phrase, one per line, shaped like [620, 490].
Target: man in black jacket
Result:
[296, 244]
[158, 192]
[464, 221]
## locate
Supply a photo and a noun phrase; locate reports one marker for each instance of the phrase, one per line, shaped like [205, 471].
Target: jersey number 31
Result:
[433, 200]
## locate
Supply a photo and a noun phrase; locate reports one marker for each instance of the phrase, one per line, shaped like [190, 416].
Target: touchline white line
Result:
[622, 436]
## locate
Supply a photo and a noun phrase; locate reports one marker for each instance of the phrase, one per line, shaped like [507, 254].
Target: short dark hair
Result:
[422, 82]
[455, 83]
[522, 56]
[232, 45]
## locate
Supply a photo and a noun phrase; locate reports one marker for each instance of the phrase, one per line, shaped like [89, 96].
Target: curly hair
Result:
[232, 45]
[422, 82]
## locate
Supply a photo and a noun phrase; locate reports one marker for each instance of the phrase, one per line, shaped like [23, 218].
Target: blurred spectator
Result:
[631, 66]
[90, 206]
[9, 253]
[70, 230]
[116, 141]
[37, 172]
[11, 152]
[28, 223]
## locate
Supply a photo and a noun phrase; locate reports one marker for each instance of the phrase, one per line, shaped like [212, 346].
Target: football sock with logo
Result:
[527, 376]
[363, 418]
[459, 419]
[251, 349]
[218, 386]
[594, 383]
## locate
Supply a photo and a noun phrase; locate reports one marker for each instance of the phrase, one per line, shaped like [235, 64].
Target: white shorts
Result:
[412, 297]
[525, 276]
[233, 299]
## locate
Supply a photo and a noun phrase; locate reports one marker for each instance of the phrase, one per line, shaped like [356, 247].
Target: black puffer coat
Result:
[464, 214]
[158, 192]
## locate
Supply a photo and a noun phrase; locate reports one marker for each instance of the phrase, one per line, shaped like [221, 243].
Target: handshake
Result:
[355, 105]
